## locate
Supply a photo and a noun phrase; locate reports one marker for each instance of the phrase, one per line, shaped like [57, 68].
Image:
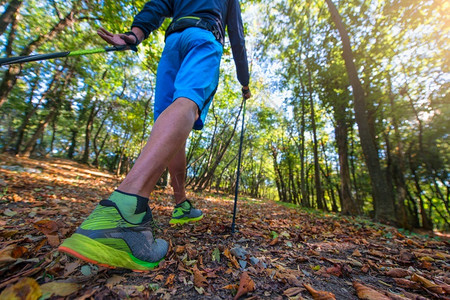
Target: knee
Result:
[190, 106]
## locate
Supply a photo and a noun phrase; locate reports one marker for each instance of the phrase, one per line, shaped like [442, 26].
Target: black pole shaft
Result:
[36, 57]
[29, 58]
[233, 225]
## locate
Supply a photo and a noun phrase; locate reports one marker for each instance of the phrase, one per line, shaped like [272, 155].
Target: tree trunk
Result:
[281, 185]
[219, 178]
[303, 188]
[326, 175]
[208, 175]
[97, 150]
[120, 160]
[73, 143]
[292, 186]
[205, 166]
[32, 109]
[87, 134]
[18, 134]
[146, 115]
[8, 16]
[348, 203]
[163, 181]
[383, 198]
[398, 168]
[53, 105]
[427, 224]
[359, 199]
[11, 75]
[40, 129]
[317, 179]
[52, 141]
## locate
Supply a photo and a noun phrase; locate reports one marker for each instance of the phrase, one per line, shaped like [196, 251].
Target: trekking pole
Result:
[233, 225]
[36, 57]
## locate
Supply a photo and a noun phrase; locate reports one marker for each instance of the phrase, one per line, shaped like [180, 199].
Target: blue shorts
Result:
[189, 67]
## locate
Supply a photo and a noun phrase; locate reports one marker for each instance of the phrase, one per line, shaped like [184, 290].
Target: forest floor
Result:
[279, 251]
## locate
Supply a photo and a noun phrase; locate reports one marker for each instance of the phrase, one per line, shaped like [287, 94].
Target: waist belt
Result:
[186, 22]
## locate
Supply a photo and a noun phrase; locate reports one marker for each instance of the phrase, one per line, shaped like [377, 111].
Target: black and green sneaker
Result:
[185, 212]
[105, 238]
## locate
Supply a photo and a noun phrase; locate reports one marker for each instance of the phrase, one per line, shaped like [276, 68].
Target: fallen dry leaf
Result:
[199, 279]
[426, 265]
[367, 293]
[10, 254]
[46, 226]
[319, 295]
[292, 280]
[231, 287]
[50, 229]
[442, 255]
[412, 296]
[406, 257]
[62, 289]
[25, 288]
[114, 280]
[274, 241]
[446, 287]
[53, 240]
[170, 279]
[393, 296]
[407, 284]
[179, 249]
[159, 277]
[336, 270]
[8, 233]
[230, 256]
[398, 273]
[71, 267]
[246, 285]
[291, 292]
[411, 242]
[427, 284]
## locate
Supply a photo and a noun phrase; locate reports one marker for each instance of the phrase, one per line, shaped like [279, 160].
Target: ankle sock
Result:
[132, 207]
[185, 204]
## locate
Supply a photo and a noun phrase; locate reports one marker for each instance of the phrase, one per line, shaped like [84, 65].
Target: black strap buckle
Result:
[133, 46]
[183, 23]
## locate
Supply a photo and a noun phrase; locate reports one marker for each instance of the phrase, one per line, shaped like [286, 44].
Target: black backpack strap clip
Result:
[186, 22]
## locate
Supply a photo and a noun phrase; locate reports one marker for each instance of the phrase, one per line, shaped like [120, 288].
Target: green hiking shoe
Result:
[185, 212]
[105, 238]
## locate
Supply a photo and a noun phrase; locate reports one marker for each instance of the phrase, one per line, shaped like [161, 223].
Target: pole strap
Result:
[133, 46]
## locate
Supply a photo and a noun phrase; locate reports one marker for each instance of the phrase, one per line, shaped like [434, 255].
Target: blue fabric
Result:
[222, 13]
[189, 67]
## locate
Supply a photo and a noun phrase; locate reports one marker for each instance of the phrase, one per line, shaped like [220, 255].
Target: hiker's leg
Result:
[177, 170]
[197, 79]
[119, 233]
[168, 136]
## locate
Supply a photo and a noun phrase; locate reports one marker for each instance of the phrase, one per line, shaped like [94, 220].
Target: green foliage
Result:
[402, 71]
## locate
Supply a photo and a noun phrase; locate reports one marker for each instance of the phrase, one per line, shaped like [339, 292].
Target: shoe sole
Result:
[183, 221]
[91, 251]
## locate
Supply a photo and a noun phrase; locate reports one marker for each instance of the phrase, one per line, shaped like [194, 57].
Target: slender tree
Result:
[383, 198]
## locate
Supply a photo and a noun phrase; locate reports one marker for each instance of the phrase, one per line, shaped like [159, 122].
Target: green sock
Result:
[132, 207]
[185, 205]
